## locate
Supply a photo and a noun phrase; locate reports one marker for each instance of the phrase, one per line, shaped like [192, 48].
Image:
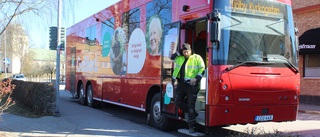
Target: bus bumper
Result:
[231, 115]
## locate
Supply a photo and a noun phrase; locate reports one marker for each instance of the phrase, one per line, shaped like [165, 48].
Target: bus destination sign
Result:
[262, 8]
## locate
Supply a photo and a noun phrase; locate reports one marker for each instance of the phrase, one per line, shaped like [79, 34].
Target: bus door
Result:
[196, 35]
[171, 35]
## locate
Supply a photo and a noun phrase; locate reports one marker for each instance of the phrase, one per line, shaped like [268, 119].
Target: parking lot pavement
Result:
[310, 109]
[74, 120]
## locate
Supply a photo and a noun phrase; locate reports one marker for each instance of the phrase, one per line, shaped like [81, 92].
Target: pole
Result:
[58, 57]
[5, 53]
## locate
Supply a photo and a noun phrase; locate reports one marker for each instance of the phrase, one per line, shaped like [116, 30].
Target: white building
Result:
[14, 45]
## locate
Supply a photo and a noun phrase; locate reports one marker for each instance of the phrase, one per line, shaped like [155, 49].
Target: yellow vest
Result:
[194, 66]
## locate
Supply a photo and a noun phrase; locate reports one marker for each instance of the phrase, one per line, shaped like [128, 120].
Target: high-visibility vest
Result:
[194, 66]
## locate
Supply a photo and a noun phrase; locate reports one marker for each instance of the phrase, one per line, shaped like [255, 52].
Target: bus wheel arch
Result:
[152, 92]
[155, 119]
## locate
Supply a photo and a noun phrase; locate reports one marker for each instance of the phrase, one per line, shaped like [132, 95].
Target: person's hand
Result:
[193, 81]
[173, 80]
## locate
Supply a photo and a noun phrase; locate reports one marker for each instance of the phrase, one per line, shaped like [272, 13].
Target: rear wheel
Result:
[82, 97]
[74, 95]
[156, 119]
[90, 101]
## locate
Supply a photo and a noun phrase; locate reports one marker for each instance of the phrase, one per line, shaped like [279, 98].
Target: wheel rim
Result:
[157, 112]
[89, 95]
[81, 92]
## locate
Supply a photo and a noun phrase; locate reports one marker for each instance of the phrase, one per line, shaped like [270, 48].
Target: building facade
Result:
[306, 16]
[14, 45]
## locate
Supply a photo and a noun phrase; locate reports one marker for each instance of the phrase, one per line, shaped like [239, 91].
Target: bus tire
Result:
[156, 119]
[82, 97]
[90, 101]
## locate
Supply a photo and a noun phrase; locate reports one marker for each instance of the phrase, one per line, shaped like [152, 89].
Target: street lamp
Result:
[58, 57]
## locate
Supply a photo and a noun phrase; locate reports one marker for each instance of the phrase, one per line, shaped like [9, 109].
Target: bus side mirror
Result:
[214, 32]
[297, 47]
[214, 18]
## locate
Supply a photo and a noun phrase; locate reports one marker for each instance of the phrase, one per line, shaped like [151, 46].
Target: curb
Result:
[309, 112]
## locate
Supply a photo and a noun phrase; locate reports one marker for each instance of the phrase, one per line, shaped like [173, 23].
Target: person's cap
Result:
[186, 46]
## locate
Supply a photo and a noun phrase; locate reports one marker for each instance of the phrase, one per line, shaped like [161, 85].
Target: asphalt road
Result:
[110, 120]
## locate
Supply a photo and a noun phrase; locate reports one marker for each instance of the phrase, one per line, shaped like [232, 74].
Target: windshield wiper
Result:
[249, 63]
[287, 63]
[274, 29]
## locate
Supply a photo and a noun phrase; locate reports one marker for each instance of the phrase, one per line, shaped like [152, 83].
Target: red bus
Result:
[120, 55]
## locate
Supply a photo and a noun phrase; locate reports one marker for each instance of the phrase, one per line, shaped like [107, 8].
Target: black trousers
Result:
[185, 99]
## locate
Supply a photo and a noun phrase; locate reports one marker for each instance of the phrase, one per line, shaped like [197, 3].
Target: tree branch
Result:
[15, 11]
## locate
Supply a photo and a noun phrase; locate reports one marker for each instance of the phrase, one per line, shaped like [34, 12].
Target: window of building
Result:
[312, 65]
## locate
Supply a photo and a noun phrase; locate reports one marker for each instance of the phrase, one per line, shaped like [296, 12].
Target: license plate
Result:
[263, 118]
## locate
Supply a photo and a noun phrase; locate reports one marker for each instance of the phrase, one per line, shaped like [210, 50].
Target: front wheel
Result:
[90, 101]
[156, 119]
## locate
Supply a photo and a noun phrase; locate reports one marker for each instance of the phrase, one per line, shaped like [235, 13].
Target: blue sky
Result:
[83, 9]
[86, 8]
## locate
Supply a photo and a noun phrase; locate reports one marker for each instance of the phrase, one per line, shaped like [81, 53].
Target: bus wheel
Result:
[90, 101]
[82, 97]
[156, 119]
[74, 95]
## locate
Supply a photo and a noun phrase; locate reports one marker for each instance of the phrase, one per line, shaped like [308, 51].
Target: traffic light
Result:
[63, 38]
[53, 41]
[53, 38]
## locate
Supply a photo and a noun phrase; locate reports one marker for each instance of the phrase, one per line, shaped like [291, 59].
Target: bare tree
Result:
[6, 89]
[36, 67]
[11, 9]
[49, 68]
[34, 14]
[29, 64]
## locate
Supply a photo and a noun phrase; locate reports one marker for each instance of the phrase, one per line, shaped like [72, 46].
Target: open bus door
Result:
[196, 34]
[171, 40]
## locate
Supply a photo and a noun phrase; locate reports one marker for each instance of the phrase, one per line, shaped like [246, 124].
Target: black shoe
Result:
[191, 130]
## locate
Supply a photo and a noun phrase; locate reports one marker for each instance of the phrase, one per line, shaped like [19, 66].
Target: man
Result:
[188, 70]
[116, 48]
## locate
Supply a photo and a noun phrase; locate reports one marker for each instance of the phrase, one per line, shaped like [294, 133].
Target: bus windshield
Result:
[254, 30]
